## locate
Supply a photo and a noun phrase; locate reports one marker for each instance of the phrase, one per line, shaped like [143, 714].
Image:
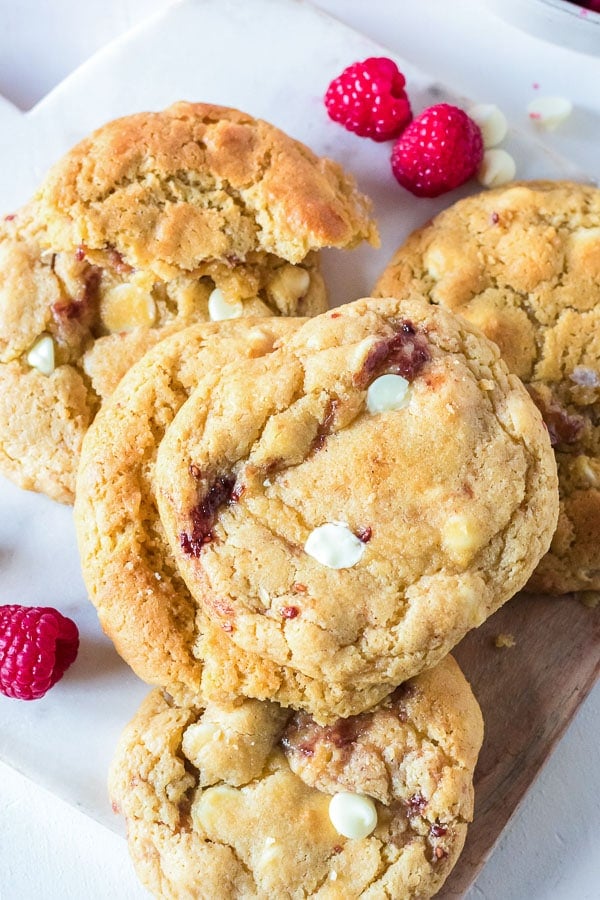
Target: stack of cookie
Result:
[280, 546]
[285, 524]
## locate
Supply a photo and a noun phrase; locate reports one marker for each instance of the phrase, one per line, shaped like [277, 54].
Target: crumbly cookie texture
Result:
[232, 801]
[127, 566]
[196, 182]
[522, 263]
[357, 547]
[129, 571]
[154, 222]
[69, 330]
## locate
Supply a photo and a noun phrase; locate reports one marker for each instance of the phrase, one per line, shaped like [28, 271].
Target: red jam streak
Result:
[563, 427]
[404, 353]
[204, 515]
[79, 308]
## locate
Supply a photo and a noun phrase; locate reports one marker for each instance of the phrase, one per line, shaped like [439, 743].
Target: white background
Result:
[551, 851]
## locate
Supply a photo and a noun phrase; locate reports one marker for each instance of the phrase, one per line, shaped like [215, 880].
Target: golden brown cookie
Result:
[522, 263]
[70, 329]
[350, 505]
[172, 190]
[246, 800]
[131, 576]
[156, 221]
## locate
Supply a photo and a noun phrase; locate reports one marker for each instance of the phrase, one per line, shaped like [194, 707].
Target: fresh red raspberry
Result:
[440, 150]
[37, 646]
[368, 98]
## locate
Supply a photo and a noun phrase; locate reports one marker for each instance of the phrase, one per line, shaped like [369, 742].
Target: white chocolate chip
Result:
[287, 286]
[41, 355]
[585, 377]
[219, 308]
[549, 112]
[46, 257]
[388, 392]
[497, 168]
[353, 815]
[334, 545]
[270, 853]
[128, 306]
[491, 121]
[584, 471]
[333, 875]
[461, 538]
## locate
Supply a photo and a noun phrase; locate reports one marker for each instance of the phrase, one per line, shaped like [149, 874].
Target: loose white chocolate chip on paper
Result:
[334, 545]
[549, 112]
[497, 168]
[219, 308]
[41, 355]
[491, 121]
[353, 815]
[388, 392]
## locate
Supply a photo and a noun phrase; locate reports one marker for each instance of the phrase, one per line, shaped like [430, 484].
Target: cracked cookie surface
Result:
[154, 222]
[231, 801]
[97, 321]
[445, 504]
[142, 602]
[170, 190]
[132, 579]
[522, 263]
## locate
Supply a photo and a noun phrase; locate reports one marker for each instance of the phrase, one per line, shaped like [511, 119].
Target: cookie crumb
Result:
[504, 640]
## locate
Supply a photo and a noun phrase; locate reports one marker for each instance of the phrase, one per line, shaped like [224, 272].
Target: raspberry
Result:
[37, 646]
[440, 150]
[368, 98]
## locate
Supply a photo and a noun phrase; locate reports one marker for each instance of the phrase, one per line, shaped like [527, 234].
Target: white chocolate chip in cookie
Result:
[231, 744]
[334, 545]
[388, 392]
[41, 355]
[461, 538]
[270, 854]
[353, 815]
[128, 306]
[585, 472]
[491, 121]
[288, 285]
[219, 308]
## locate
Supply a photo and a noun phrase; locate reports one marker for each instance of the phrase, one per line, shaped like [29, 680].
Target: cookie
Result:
[350, 505]
[246, 800]
[172, 190]
[132, 579]
[156, 221]
[69, 330]
[522, 263]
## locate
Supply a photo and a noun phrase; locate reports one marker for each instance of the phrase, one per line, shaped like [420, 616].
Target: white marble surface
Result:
[551, 849]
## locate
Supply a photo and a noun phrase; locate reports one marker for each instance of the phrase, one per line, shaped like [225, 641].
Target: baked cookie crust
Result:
[228, 801]
[522, 263]
[154, 222]
[446, 503]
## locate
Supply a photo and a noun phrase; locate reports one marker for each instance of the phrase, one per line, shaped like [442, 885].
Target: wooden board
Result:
[528, 695]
